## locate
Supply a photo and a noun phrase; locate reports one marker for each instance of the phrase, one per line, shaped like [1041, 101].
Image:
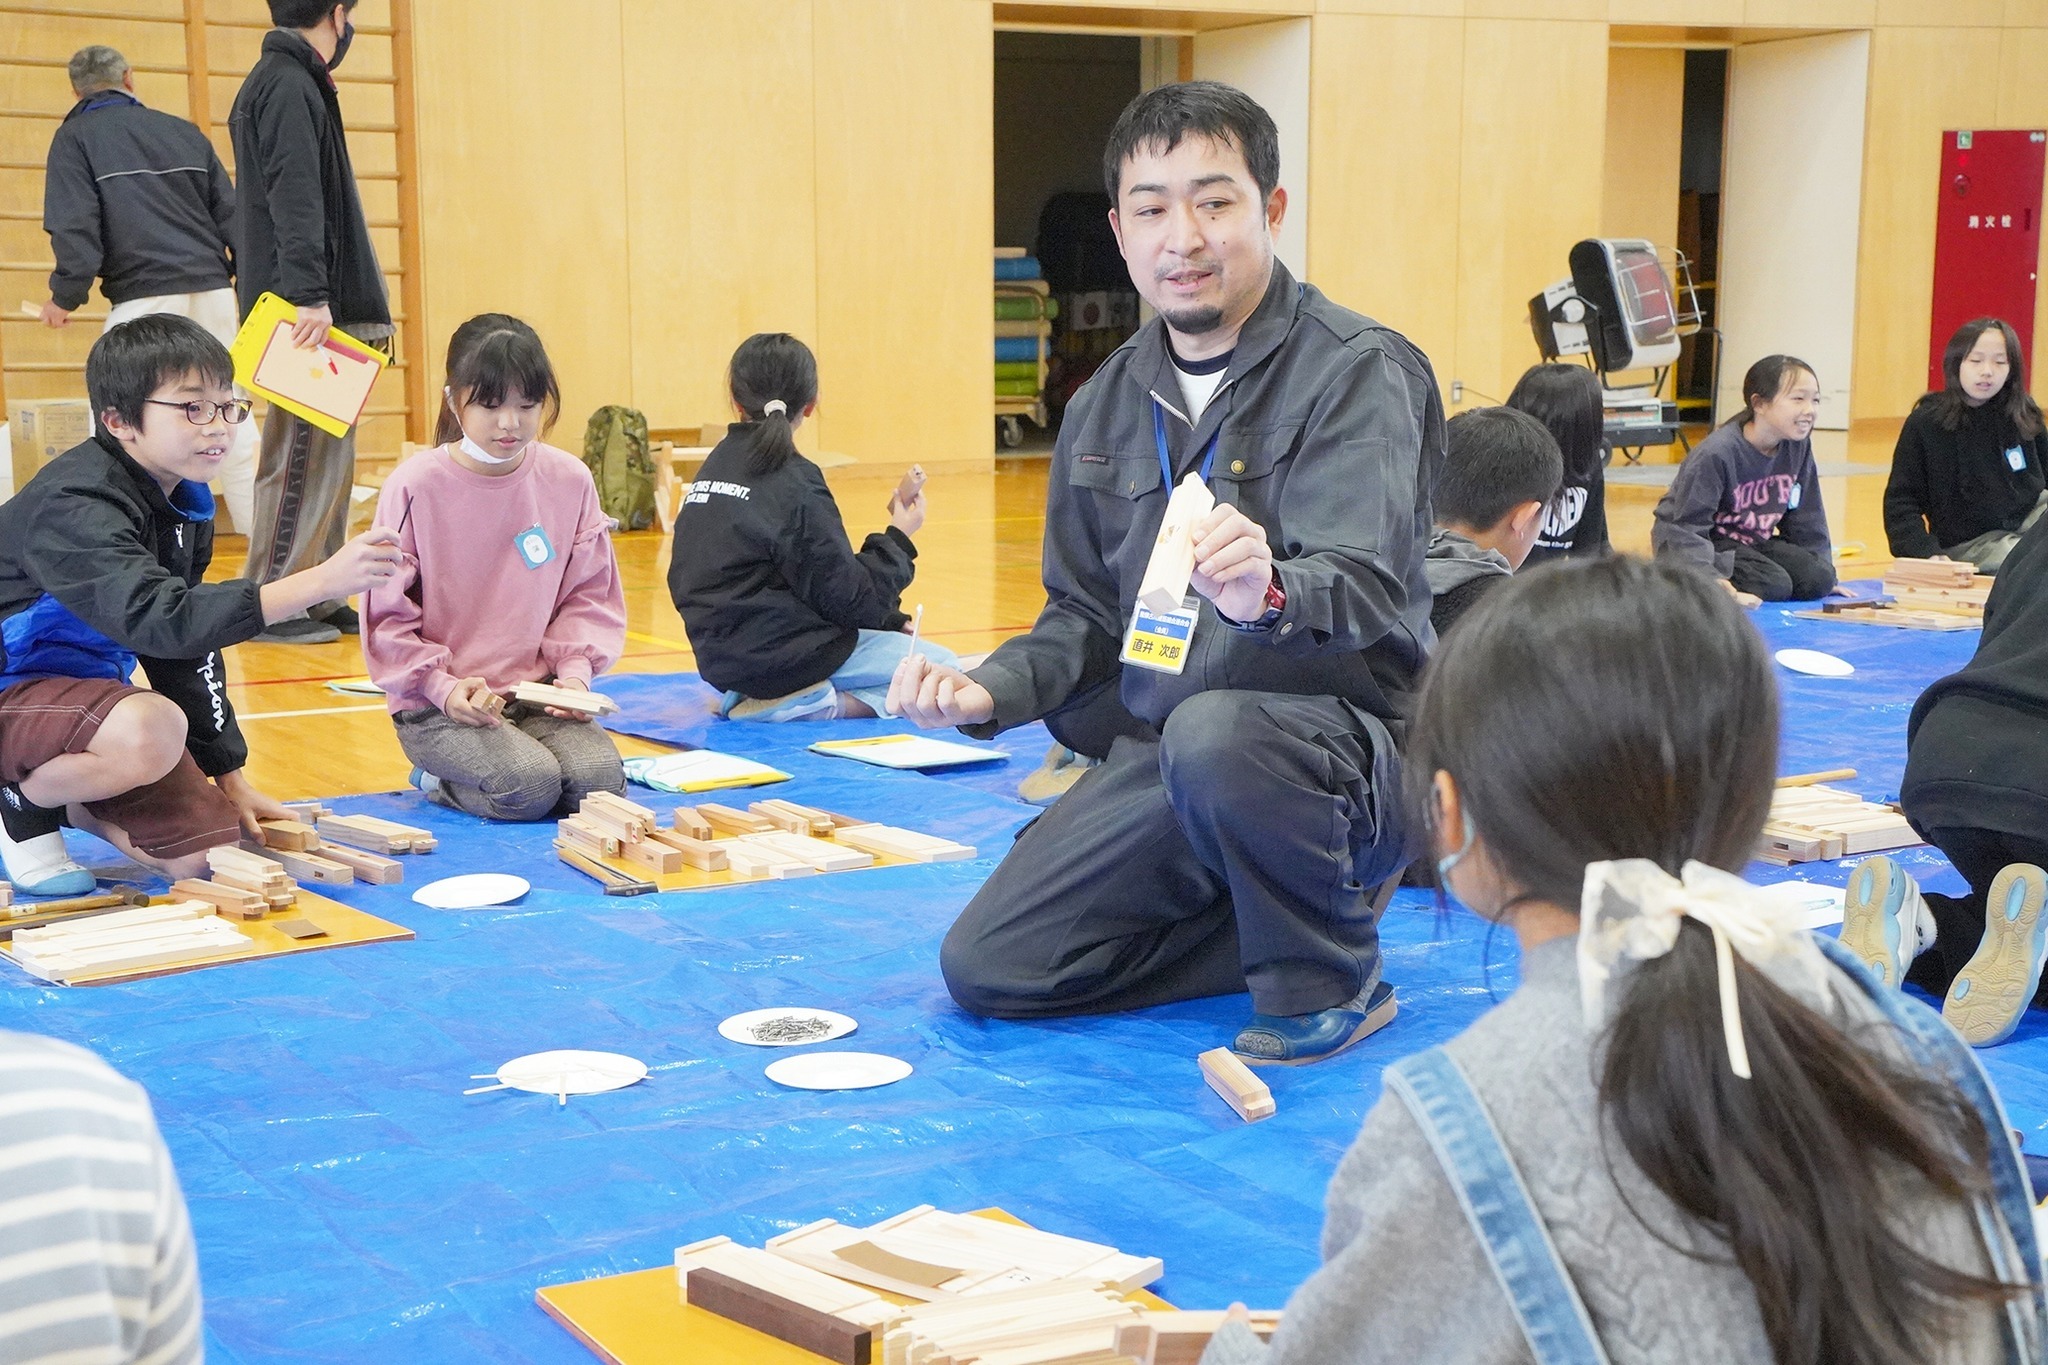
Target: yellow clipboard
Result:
[328, 385]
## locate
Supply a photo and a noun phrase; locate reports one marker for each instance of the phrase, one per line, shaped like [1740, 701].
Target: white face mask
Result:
[482, 456]
[471, 448]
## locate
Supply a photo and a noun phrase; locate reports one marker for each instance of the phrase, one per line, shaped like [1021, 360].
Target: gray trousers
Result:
[1988, 551]
[303, 478]
[1237, 850]
[530, 767]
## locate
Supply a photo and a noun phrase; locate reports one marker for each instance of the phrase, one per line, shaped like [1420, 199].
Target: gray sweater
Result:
[1404, 1279]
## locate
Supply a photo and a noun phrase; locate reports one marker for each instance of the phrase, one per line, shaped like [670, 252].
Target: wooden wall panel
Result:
[1922, 80]
[1529, 187]
[720, 202]
[508, 226]
[905, 94]
[1645, 124]
[1384, 220]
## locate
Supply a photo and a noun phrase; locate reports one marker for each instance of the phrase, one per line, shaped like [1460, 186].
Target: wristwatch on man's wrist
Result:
[1276, 603]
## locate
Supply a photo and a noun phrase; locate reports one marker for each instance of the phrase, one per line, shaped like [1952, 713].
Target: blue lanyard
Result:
[1166, 462]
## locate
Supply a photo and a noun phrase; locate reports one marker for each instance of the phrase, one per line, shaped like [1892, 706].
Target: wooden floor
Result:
[977, 576]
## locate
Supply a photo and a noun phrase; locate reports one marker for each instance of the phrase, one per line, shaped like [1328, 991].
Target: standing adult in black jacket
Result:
[300, 234]
[139, 199]
[1239, 842]
[1976, 786]
[1967, 476]
[784, 616]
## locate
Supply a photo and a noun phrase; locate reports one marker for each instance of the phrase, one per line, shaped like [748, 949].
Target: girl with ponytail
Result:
[1694, 1133]
[784, 616]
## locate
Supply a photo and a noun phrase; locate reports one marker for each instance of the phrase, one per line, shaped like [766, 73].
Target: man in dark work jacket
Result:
[300, 233]
[1237, 831]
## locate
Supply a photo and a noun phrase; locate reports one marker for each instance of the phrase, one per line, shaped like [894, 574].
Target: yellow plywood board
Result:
[640, 1319]
[345, 929]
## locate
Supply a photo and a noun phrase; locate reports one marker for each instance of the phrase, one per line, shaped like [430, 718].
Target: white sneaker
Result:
[813, 703]
[1885, 922]
[40, 866]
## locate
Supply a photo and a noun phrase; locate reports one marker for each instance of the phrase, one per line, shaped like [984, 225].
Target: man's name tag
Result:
[2017, 458]
[1160, 640]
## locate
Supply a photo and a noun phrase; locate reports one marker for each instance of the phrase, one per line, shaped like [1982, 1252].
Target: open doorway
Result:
[1063, 301]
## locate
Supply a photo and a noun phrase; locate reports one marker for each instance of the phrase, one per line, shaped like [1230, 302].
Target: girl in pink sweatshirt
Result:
[508, 578]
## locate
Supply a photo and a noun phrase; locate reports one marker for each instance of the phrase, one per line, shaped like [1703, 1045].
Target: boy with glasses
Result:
[102, 561]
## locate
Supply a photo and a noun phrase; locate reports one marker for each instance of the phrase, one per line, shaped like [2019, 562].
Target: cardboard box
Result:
[44, 428]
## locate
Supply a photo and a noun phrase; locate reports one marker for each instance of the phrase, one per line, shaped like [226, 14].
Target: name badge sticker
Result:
[1160, 640]
[534, 547]
[2017, 458]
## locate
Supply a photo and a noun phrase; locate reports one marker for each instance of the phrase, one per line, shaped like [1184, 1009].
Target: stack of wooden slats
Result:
[1938, 585]
[770, 840]
[1816, 824]
[128, 940]
[985, 1293]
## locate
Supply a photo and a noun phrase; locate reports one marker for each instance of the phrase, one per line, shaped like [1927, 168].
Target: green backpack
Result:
[615, 448]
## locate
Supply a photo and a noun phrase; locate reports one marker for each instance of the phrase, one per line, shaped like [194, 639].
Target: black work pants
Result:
[1779, 571]
[1238, 849]
[1979, 855]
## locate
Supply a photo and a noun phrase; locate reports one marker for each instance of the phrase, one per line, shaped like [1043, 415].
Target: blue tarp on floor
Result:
[352, 1205]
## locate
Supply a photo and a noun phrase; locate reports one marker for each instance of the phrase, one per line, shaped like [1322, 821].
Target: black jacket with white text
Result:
[100, 570]
[768, 585]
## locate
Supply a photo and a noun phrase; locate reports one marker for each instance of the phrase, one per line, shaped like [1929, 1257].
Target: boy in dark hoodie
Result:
[103, 559]
[1502, 469]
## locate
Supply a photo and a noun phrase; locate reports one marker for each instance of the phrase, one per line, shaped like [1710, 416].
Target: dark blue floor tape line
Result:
[352, 1205]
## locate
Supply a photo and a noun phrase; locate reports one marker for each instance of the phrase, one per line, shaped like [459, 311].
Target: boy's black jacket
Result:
[99, 570]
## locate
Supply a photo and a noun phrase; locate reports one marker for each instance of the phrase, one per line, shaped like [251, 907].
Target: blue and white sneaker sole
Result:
[1988, 997]
[1870, 916]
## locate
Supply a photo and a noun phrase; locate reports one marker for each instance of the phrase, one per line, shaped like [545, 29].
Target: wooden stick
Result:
[311, 867]
[615, 883]
[697, 853]
[787, 1320]
[221, 896]
[1165, 583]
[586, 835]
[691, 823]
[564, 698]
[291, 835]
[657, 858]
[726, 820]
[1229, 1077]
[370, 867]
[1810, 779]
[55, 912]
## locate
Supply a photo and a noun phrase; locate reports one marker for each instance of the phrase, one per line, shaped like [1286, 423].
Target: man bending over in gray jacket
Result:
[1237, 832]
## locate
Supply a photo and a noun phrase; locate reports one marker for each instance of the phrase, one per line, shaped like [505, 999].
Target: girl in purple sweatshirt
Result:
[508, 578]
[1746, 503]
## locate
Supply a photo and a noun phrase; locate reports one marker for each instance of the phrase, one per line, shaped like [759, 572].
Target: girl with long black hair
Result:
[1967, 474]
[1694, 1133]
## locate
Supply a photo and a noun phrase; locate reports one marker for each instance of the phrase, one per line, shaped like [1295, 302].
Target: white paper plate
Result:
[472, 892]
[785, 1027]
[569, 1071]
[1813, 662]
[837, 1070]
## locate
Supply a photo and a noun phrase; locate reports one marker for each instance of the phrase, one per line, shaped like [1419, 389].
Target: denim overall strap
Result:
[1937, 1047]
[1497, 1204]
